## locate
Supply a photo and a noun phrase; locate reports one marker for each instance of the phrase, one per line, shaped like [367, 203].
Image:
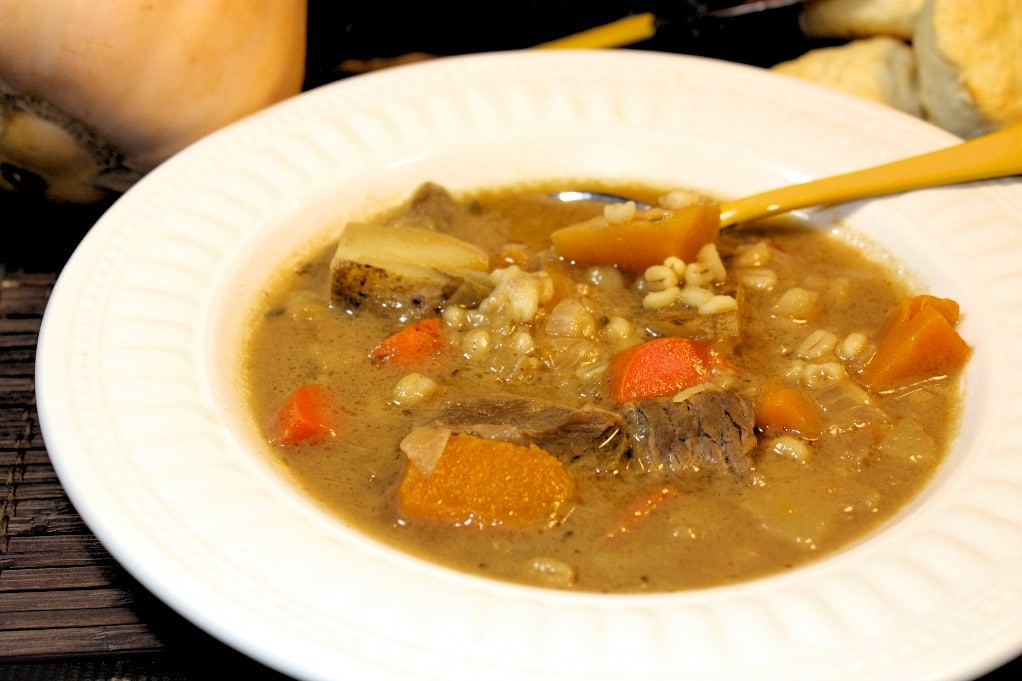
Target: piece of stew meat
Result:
[565, 432]
[711, 430]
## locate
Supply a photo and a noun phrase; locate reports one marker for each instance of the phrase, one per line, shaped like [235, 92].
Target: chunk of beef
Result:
[565, 432]
[710, 430]
[431, 206]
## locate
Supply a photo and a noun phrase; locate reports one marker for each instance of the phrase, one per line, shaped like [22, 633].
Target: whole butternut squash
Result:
[94, 94]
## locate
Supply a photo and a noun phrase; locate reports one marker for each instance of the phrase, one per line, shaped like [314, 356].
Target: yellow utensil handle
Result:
[631, 29]
[997, 154]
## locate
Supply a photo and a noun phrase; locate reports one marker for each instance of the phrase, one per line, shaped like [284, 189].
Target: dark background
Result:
[762, 38]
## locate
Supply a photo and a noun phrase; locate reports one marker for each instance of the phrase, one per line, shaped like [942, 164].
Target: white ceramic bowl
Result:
[139, 394]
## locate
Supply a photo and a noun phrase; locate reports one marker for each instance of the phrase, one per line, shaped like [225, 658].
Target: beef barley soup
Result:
[598, 398]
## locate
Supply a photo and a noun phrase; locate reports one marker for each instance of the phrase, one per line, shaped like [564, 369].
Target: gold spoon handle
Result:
[997, 154]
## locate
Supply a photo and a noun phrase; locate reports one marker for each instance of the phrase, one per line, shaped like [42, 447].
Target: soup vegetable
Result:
[596, 397]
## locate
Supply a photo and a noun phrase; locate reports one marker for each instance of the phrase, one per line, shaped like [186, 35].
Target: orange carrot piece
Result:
[308, 414]
[488, 483]
[919, 341]
[413, 345]
[662, 366]
[647, 504]
[787, 409]
[640, 243]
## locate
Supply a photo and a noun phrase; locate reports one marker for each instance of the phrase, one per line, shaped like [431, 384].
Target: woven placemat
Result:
[60, 592]
[67, 609]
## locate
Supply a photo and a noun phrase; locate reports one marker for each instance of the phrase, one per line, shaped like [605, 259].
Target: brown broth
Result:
[717, 530]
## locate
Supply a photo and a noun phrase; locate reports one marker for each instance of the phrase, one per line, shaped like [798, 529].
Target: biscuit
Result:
[880, 68]
[859, 18]
[969, 60]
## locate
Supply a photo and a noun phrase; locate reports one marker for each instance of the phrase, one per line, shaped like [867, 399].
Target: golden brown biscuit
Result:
[860, 18]
[969, 58]
[881, 69]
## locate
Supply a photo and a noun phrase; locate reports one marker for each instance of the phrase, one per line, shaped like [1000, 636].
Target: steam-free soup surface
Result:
[510, 439]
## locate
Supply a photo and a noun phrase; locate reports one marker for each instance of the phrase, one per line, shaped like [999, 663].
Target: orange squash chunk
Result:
[489, 483]
[786, 409]
[637, 244]
[919, 341]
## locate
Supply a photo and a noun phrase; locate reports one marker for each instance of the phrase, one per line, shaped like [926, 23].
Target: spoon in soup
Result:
[994, 155]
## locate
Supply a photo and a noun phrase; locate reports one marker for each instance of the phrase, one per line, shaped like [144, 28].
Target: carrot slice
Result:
[413, 345]
[488, 483]
[307, 414]
[660, 367]
[919, 341]
[787, 409]
[637, 244]
[645, 506]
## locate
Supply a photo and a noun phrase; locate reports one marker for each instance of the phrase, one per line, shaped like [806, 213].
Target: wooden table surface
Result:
[67, 609]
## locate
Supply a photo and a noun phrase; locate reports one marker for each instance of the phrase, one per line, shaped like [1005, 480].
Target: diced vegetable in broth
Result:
[410, 269]
[643, 240]
[537, 392]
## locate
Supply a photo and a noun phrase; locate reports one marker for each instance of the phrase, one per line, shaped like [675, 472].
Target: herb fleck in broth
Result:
[638, 515]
